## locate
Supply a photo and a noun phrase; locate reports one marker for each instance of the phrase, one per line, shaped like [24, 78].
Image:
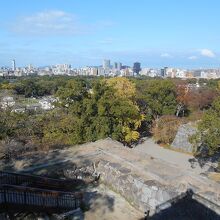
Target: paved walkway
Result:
[178, 159]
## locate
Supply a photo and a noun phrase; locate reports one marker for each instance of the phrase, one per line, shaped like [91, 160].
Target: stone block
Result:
[181, 141]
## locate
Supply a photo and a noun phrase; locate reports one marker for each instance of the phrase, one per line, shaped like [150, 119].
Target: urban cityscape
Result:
[110, 110]
[109, 69]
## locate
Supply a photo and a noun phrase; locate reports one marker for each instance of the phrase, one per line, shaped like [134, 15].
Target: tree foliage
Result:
[123, 86]
[89, 109]
[159, 97]
[166, 128]
[13, 125]
[35, 87]
[199, 99]
[209, 129]
[102, 111]
[182, 93]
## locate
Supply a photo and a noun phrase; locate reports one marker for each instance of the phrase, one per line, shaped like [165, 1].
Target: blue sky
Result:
[179, 33]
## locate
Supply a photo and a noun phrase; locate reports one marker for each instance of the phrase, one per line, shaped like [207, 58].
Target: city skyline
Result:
[109, 69]
[154, 33]
[105, 63]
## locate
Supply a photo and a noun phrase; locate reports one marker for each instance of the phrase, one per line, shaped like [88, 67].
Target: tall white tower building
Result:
[13, 65]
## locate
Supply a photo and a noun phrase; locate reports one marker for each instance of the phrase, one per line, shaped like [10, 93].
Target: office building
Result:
[164, 72]
[106, 64]
[137, 68]
[119, 66]
[13, 65]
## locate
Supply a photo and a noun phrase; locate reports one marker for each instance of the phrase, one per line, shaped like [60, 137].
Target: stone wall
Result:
[181, 141]
[142, 194]
[149, 194]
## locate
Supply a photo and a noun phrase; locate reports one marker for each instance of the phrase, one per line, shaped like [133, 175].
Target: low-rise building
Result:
[47, 103]
[7, 101]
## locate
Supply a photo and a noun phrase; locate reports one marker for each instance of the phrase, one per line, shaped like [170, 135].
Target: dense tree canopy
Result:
[101, 111]
[209, 129]
[14, 125]
[124, 87]
[158, 97]
[124, 109]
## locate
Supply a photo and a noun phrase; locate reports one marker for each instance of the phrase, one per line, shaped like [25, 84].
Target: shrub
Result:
[164, 130]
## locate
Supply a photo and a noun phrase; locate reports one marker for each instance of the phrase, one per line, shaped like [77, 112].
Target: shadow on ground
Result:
[79, 180]
[186, 209]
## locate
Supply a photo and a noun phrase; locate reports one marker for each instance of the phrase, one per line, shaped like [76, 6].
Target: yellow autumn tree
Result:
[123, 86]
[130, 129]
[126, 90]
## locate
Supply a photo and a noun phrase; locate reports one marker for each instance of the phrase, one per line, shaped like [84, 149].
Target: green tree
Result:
[74, 91]
[61, 129]
[27, 87]
[159, 98]
[14, 125]
[208, 134]
[101, 112]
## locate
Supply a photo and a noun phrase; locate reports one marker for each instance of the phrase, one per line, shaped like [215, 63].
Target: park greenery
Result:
[124, 109]
[208, 134]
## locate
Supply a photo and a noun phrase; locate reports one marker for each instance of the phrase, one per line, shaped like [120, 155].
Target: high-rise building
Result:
[30, 67]
[137, 67]
[94, 71]
[106, 64]
[13, 65]
[164, 72]
[119, 66]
